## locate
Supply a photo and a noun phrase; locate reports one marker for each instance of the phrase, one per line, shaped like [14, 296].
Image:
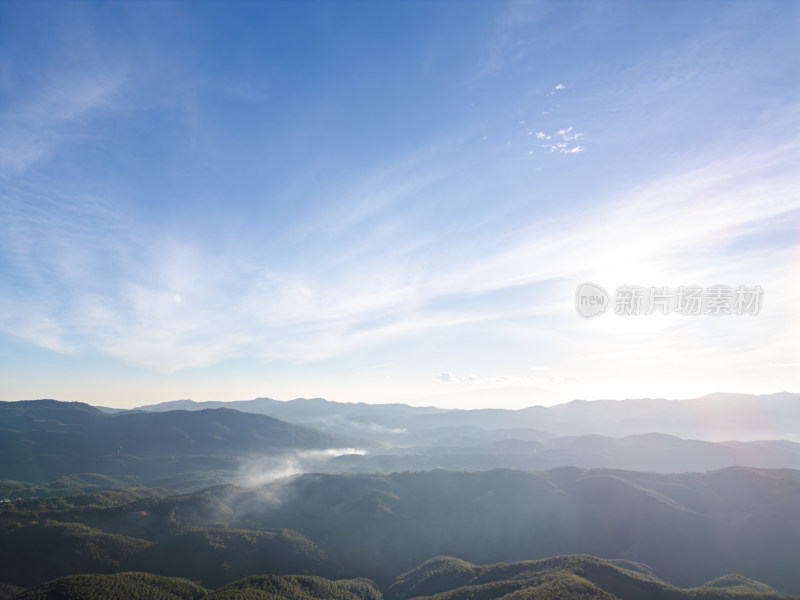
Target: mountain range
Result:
[45, 439]
[426, 503]
[715, 417]
[71, 447]
[690, 528]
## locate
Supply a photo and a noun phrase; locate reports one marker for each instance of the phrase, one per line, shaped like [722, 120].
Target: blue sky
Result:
[393, 201]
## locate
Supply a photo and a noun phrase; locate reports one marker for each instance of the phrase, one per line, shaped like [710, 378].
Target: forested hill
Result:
[577, 577]
[690, 528]
[43, 440]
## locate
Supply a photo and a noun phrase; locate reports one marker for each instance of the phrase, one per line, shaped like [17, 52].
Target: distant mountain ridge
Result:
[715, 417]
[45, 439]
[512, 449]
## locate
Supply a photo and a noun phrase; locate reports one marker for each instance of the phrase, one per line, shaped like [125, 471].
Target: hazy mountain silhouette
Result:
[716, 417]
[43, 440]
[64, 447]
[468, 449]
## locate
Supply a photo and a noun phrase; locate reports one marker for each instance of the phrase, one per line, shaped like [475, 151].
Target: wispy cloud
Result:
[33, 129]
[509, 45]
[169, 304]
[459, 231]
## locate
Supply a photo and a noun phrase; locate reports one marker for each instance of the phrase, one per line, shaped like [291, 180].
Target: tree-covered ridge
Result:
[9, 592]
[119, 586]
[40, 551]
[45, 440]
[734, 580]
[26, 498]
[575, 577]
[298, 587]
[68, 485]
[134, 585]
[690, 528]
[35, 552]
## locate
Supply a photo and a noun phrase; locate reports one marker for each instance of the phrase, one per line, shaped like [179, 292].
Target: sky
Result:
[394, 201]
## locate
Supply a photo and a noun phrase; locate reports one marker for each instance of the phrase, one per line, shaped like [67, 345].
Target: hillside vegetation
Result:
[576, 577]
[690, 528]
[45, 440]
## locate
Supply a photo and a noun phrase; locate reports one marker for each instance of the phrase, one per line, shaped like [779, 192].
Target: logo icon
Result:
[591, 300]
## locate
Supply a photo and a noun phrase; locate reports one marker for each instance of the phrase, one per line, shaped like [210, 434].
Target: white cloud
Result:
[361, 270]
[116, 291]
[450, 378]
[565, 141]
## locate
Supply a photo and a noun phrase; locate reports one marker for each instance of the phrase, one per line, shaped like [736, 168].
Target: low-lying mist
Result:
[256, 471]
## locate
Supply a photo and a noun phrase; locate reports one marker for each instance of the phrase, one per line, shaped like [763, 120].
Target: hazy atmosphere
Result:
[399, 300]
[394, 201]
